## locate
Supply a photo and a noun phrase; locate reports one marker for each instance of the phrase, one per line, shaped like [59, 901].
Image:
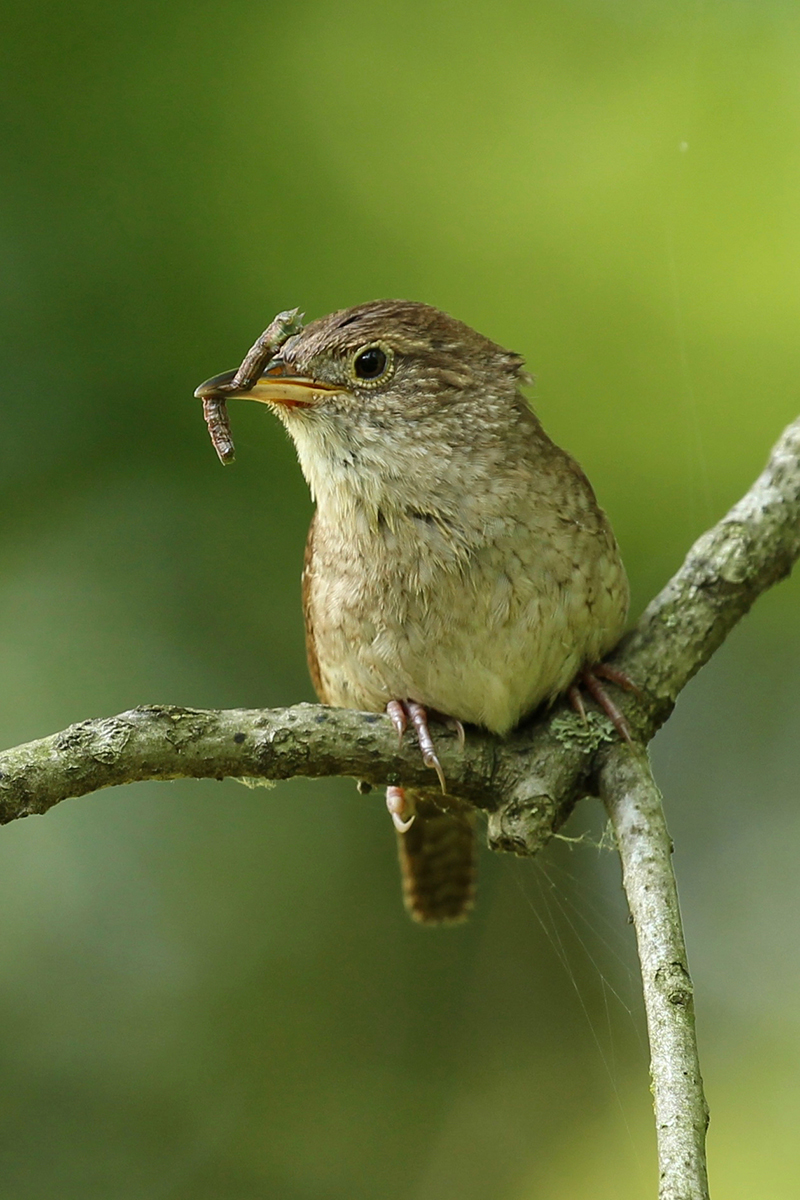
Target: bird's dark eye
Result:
[370, 363]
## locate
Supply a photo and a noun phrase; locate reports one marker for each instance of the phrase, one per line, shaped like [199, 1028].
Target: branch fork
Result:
[527, 783]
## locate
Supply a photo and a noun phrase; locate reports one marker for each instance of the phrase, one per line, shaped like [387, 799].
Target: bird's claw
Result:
[419, 719]
[431, 760]
[589, 677]
[397, 714]
[621, 678]
[400, 713]
[401, 809]
[576, 700]
[457, 728]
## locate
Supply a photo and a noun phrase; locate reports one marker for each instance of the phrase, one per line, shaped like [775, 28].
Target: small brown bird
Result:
[457, 564]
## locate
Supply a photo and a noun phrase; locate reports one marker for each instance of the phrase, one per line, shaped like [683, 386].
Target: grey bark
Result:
[633, 803]
[528, 782]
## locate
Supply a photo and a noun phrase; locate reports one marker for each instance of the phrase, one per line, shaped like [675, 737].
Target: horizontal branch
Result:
[527, 782]
[167, 742]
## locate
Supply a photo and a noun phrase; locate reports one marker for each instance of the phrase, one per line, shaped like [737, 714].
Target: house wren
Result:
[457, 564]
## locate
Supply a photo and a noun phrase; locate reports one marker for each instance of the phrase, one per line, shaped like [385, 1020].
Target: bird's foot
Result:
[621, 678]
[401, 808]
[403, 711]
[589, 678]
[455, 726]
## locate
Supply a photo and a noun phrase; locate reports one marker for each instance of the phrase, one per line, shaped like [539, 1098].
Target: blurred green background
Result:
[208, 992]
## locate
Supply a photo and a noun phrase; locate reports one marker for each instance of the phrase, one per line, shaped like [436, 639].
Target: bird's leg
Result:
[576, 700]
[403, 711]
[397, 713]
[419, 719]
[401, 809]
[588, 678]
[620, 678]
[399, 802]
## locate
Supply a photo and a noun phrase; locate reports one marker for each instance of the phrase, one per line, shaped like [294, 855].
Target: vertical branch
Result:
[633, 803]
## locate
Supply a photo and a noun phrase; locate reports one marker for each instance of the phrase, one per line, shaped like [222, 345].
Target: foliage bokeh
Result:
[213, 992]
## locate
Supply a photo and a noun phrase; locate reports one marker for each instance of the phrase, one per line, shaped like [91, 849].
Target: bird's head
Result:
[382, 389]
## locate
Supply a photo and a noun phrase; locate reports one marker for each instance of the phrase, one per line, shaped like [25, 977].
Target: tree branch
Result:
[529, 782]
[633, 803]
[754, 546]
[167, 742]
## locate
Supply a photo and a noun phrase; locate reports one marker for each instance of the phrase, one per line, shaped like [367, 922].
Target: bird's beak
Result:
[276, 386]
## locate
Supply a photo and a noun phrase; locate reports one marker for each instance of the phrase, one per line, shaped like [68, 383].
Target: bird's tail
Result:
[438, 860]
